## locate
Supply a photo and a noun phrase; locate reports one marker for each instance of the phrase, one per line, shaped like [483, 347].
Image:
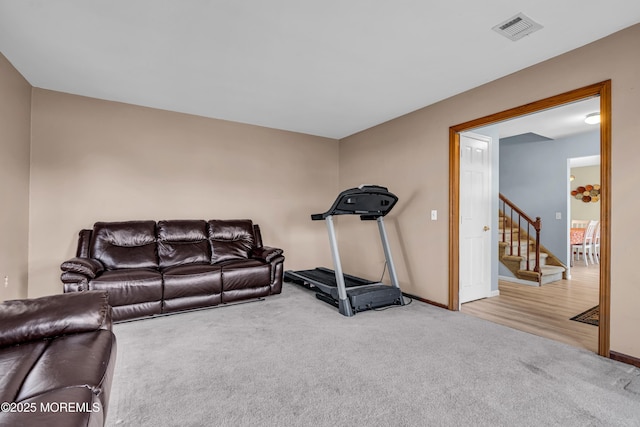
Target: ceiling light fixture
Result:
[592, 119]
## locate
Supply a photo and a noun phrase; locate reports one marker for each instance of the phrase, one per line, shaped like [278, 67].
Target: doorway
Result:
[603, 90]
[583, 193]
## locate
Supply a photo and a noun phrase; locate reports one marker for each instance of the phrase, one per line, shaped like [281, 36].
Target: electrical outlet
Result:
[6, 281]
[558, 215]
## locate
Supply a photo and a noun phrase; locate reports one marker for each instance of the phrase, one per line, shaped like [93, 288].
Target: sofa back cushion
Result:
[230, 239]
[183, 242]
[128, 244]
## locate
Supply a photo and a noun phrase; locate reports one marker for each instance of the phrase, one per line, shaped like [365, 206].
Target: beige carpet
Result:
[292, 360]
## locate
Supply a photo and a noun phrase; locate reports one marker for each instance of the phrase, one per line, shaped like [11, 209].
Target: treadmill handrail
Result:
[368, 201]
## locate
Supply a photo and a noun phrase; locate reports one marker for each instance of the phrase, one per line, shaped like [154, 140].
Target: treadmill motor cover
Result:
[369, 297]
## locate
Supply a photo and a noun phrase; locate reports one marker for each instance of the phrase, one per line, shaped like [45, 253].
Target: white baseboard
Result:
[494, 293]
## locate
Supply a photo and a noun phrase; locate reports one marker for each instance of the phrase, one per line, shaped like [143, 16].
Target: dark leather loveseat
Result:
[57, 357]
[151, 268]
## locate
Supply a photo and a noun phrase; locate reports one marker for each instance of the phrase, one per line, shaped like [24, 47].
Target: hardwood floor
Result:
[546, 310]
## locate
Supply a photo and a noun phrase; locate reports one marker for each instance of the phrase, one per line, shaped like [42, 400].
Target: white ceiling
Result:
[554, 123]
[329, 68]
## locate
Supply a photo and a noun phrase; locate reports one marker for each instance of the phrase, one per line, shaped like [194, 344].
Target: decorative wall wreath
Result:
[588, 193]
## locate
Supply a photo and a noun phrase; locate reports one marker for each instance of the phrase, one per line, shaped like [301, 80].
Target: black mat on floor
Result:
[591, 316]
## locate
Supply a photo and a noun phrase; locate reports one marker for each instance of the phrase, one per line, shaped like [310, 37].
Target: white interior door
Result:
[475, 217]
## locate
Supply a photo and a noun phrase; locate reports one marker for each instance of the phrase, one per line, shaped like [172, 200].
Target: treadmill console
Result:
[368, 201]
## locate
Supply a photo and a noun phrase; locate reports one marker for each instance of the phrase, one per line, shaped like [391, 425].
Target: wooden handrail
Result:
[517, 209]
[536, 224]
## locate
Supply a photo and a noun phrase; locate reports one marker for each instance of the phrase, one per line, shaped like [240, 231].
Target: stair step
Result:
[550, 273]
[523, 254]
[524, 244]
[523, 260]
[523, 257]
[551, 269]
[532, 260]
[543, 255]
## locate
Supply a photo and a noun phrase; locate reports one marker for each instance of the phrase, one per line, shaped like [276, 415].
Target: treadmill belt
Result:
[328, 277]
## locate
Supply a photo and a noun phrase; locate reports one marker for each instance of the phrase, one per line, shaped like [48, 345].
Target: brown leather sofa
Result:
[57, 357]
[151, 268]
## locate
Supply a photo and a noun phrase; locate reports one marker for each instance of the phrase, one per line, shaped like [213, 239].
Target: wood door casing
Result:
[603, 90]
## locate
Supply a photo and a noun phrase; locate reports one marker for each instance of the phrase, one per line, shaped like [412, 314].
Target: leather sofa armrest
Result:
[88, 267]
[266, 253]
[74, 282]
[51, 316]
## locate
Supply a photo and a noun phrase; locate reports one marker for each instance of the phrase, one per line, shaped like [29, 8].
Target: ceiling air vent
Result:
[517, 27]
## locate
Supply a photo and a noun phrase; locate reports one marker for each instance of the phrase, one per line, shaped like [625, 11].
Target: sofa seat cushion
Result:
[192, 279]
[245, 279]
[129, 286]
[68, 361]
[136, 311]
[240, 274]
[15, 363]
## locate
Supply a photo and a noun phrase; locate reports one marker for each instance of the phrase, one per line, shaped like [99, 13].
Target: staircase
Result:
[520, 249]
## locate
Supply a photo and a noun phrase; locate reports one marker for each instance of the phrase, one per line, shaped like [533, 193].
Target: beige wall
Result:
[410, 155]
[98, 160]
[15, 120]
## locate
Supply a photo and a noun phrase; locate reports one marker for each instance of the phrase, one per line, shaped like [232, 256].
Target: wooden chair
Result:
[586, 248]
[596, 244]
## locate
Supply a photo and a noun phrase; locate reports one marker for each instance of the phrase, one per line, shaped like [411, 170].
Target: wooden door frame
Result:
[603, 90]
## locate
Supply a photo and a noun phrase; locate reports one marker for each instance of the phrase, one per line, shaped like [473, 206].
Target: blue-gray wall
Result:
[534, 176]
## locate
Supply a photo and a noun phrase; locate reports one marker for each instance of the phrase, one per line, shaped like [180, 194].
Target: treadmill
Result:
[351, 294]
